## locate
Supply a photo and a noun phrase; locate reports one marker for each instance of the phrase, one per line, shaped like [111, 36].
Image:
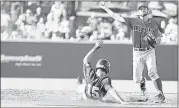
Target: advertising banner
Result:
[64, 60]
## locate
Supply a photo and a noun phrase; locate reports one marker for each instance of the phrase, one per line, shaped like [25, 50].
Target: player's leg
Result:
[80, 85]
[138, 66]
[143, 86]
[81, 88]
[152, 73]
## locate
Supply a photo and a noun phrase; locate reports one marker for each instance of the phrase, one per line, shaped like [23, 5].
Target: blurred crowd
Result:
[103, 28]
[166, 17]
[56, 25]
[35, 25]
[100, 28]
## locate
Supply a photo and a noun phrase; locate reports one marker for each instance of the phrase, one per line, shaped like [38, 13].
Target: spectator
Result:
[49, 21]
[54, 36]
[78, 33]
[41, 25]
[116, 26]
[15, 10]
[83, 33]
[99, 20]
[105, 30]
[4, 35]
[33, 32]
[58, 10]
[5, 21]
[92, 21]
[22, 26]
[171, 32]
[39, 15]
[94, 36]
[29, 18]
[56, 25]
[65, 28]
[171, 9]
[60, 35]
[22, 17]
[48, 34]
[15, 35]
[165, 39]
[6, 6]
[157, 9]
[86, 32]
[120, 35]
[18, 22]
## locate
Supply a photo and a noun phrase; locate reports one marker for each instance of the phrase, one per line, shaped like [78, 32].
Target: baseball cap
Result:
[142, 5]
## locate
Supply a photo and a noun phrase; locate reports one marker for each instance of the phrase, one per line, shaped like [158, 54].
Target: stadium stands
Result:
[54, 21]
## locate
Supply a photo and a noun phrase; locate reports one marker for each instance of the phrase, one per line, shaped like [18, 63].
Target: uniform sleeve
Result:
[129, 21]
[158, 36]
[157, 32]
[107, 84]
[87, 69]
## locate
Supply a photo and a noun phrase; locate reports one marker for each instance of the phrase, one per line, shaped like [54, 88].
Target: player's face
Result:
[143, 11]
[100, 72]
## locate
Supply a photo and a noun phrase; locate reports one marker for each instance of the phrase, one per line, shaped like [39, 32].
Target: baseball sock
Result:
[158, 85]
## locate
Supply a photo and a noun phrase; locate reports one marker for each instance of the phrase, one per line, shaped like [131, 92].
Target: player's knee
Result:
[80, 88]
[153, 74]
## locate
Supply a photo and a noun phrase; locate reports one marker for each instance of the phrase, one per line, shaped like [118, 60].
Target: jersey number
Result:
[94, 92]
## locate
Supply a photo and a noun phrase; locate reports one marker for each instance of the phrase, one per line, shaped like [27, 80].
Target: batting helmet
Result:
[142, 5]
[104, 64]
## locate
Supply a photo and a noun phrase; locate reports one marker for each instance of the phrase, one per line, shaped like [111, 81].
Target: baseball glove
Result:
[150, 39]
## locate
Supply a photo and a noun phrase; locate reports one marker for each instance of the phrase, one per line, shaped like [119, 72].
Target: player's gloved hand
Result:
[151, 40]
[102, 4]
[99, 43]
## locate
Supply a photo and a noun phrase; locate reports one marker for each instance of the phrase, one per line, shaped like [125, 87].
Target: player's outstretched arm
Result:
[89, 55]
[111, 13]
[116, 96]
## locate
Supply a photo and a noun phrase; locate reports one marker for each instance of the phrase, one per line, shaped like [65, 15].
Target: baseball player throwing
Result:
[96, 83]
[146, 36]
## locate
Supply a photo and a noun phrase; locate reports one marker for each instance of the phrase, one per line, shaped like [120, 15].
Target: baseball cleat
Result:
[143, 86]
[160, 98]
[79, 80]
[143, 99]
